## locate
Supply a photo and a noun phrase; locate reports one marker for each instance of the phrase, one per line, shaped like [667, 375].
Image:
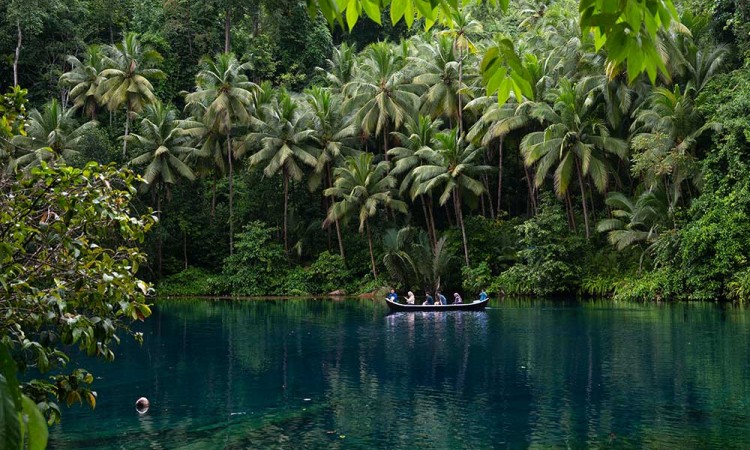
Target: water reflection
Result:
[318, 373]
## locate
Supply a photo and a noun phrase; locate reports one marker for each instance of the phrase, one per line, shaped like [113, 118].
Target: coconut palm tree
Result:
[637, 223]
[575, 140]
[439, 72]
[411, 259]
[52, 135]
[417, 149]
[666, 133]
[341, 67]
[83, 80]
[333, 130]
[361, 188]
[224, 89]
[130, 67]
[382, 96]
[454, 173]
[286, 143]
[163, 147]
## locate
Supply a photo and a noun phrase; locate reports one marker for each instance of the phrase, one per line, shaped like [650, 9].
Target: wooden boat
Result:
[477, 305]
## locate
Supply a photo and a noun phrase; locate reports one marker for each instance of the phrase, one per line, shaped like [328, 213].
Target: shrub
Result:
[191, 281]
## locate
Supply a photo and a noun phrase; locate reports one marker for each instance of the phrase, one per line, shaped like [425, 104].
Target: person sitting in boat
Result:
[441, 297]
[428, 300]
[483, 296]
[457, 299]
[393, 296]
[410, 298]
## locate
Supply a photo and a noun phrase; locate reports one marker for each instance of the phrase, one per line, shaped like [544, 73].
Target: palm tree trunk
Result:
[432, 218]
[127, 130]
[572, 212]
[583, 198]
[159, 240]
[184, 248]
[17, 55]
[530, 187]
[499, 174]
[430, 231]
[372, 255]
[460, 216]
[286, 207]
[338, 227]
[460, 83]
[231, 194]
[213, 199]
[385, 141]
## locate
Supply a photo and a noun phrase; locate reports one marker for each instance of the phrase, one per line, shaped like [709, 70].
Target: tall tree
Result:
[285, 142]
[225, 90]
[333, 130]
[382, 95]
[361, 189]
[575, 139]
[163, 147]
[454, 173]
[130, 67]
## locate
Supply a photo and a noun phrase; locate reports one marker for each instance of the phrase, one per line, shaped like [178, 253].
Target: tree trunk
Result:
[460, 215]
[338, 227]
[184, 247]
[530, 187]
[228, 28]
[430, 230]
[286, 206]
[460, 82]
[499, 174]
[372, 255]
[213, 200]
[159, 240]
[127, 130]
[572, 211]
[385, 142]
[583, 199]
[231, 194]
[19, 41]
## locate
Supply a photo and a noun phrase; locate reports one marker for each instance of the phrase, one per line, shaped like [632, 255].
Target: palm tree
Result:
[332, 131]
[417, 149]
[52, 135]
[163, 147]
[341, 67]
[285, 140]
[224, 89]
[666, 132]
[640, 222]
[84, 79]
[575, 139]
[411, 259]
[453, 174]
[382, 94]
[362, 188]
[126, 79]
[439, 72]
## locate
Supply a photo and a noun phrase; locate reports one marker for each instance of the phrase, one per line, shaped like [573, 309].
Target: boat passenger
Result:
[457, 299]
[410, 298]
[393, 296]
[441, 297]
[428, 300]
[483, 296]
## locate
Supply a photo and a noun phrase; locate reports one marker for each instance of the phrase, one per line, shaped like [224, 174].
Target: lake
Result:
[307, 373]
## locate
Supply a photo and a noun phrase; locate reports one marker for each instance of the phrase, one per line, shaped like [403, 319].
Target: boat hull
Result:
[475, 306]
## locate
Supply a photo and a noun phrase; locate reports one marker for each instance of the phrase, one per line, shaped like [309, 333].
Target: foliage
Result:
[477, 278]
[192, 281]
[69, 253]
[258, 265]
[549, 256]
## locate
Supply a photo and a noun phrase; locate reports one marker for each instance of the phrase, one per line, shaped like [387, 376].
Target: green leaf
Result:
[398, 7]
[372, 9]
[10, 403]
[352, 14]
[35, 425]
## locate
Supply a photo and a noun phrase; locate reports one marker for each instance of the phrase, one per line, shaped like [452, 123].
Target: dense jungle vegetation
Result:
[533, 147]
[283, 156]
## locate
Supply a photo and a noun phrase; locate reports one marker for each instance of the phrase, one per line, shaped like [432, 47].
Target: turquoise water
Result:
[346, 374]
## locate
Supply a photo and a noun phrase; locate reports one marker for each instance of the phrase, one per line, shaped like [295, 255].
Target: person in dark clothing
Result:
[393, 296]
[428, 300]
[441, 297]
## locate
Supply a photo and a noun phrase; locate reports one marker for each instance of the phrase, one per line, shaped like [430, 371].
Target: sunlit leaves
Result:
[503, 71]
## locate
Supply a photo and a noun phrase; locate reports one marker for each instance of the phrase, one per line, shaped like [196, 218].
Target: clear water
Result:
[345, 374]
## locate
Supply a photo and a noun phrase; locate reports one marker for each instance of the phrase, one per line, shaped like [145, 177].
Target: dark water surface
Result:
[345, 374]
